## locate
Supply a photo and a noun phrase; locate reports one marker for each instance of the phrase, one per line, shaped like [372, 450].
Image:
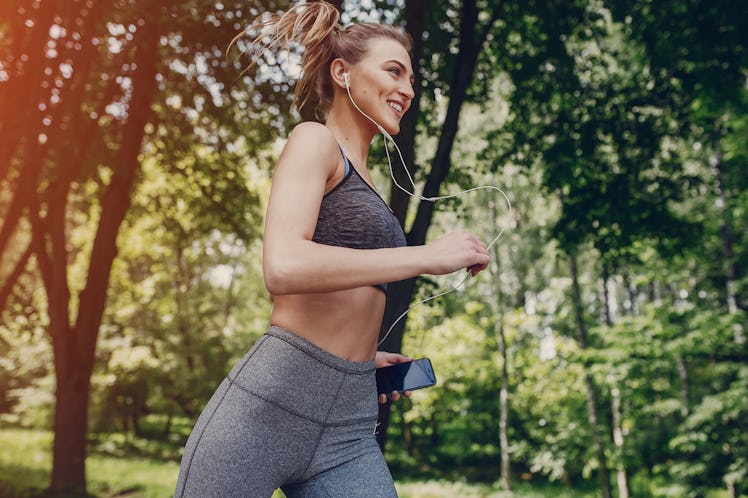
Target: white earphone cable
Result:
[387, 136]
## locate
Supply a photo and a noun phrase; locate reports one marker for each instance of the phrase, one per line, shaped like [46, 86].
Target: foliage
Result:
[178, 290]
[617, 129]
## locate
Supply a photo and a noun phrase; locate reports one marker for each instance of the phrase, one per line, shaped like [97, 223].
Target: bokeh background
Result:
[602, 354]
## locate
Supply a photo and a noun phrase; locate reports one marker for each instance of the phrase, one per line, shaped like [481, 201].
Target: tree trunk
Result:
[6, 289]
[69, 449]
[618, 439]
[167, 426]
[495, 269]
[405, 428]
[415, 24]
[71, 415]
[685, 388]
[732, 490]
[727, 236]
[74, 348]
[592, 396]
[506, 478]
[434, 431]
[401, 293]
[632, 309]
[622, 480]
[605, 308]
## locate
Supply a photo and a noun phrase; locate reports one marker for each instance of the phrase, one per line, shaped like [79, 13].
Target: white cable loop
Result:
[428, 199]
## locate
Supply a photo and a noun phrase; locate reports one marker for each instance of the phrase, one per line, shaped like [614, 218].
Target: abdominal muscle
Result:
[344, 323]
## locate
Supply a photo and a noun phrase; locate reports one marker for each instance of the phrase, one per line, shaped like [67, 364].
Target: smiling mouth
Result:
[396, 106]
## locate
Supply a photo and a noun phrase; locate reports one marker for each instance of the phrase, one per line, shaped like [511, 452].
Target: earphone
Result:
[387, 136]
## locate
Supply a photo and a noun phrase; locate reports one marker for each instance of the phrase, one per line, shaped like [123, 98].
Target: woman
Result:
[299, 410]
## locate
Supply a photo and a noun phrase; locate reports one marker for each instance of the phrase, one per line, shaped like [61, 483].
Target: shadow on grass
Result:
[150, 445]
[19, 487]
[8, 490]
[22, 476]
[118, 445]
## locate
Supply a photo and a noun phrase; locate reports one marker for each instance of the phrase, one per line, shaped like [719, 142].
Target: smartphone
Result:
[407, 376]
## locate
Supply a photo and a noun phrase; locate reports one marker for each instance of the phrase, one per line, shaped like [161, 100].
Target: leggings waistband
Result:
[319, 354]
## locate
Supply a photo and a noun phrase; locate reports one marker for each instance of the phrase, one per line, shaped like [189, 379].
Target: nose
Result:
[406, 90]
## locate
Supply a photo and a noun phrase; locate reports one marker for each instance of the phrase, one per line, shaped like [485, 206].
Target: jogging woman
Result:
[299, 411]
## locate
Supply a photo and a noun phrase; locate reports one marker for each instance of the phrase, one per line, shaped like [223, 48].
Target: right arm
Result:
[294, 264]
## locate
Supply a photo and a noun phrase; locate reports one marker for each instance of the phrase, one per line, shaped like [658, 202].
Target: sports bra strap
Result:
[345, 160]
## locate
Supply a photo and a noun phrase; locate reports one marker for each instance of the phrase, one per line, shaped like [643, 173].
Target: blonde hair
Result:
[316, 27]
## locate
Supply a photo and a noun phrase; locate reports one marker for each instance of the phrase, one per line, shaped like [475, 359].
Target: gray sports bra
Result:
[353, 215]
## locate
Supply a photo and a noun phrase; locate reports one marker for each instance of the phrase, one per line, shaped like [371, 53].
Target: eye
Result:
[395, 70]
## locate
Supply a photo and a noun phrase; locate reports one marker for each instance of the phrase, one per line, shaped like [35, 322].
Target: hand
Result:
[384, 359]
[458, 249]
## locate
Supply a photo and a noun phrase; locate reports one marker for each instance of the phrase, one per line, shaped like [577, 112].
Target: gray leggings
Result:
[289, 415]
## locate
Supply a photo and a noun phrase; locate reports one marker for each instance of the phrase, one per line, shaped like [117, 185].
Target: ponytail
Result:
[312, 25]
[316, 27]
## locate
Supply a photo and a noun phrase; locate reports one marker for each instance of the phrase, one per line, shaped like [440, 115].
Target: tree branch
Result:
[10, 282]
[116, 200]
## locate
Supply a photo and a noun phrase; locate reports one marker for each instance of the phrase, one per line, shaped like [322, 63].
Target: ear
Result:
[338, 69]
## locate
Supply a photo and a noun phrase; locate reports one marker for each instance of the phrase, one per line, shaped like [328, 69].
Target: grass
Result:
[442, 489]
[140, 468]
[25, 465]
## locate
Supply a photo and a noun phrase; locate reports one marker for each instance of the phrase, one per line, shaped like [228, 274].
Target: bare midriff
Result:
[344, 323]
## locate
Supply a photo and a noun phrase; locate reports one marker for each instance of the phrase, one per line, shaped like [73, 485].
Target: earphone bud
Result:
[345, 77]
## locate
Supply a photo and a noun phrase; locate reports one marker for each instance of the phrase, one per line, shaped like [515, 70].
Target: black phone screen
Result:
[407, 376]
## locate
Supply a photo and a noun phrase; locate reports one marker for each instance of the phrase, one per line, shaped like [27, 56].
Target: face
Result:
[382, 83]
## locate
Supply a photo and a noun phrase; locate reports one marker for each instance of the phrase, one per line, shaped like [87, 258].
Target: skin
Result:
[324, 293]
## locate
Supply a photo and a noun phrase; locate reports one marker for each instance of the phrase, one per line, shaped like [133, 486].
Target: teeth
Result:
[396, 106]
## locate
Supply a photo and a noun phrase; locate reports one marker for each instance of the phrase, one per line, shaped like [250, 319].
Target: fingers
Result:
[385, 358]
[393, 396]
[476, 269]
[457, 250]
[482, 258]
[481, 252]
[395, 358]
[476, 252]
[383, 398]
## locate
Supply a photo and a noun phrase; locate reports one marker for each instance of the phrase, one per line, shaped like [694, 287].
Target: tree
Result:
[102, 79]
[46, 201]
[587, 108]
[469, 32]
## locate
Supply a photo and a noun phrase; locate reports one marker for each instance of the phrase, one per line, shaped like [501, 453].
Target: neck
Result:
[353, 131]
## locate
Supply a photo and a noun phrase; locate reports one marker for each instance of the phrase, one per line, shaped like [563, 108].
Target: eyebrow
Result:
[405, 68]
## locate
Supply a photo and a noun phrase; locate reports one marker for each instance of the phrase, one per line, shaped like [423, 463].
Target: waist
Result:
[344, 323]
[294, 374]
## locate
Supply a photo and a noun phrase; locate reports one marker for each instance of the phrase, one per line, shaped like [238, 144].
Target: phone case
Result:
[408, 376]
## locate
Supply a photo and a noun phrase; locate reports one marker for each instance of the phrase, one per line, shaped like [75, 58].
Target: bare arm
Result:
[294, 264]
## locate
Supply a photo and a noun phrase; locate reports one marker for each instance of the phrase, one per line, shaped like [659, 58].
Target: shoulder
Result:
[312, 129]
[316, 134]
[314, 143]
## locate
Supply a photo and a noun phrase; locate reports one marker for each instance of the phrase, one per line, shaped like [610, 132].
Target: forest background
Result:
[603, 350]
